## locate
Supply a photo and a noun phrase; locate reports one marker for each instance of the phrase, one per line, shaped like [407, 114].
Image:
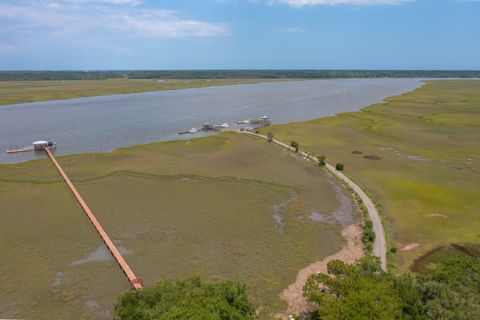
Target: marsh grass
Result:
[430, 167]
[199, 207]
[12, 92]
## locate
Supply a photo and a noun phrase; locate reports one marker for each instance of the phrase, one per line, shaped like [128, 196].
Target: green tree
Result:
[451, 289]
[186, 299]
[321, 160]
[269, 136]
[339, 166]
[360, 291]
[295, 145]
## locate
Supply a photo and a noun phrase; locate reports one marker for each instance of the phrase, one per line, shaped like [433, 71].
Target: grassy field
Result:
[426, 176]
[30, 91]
[226, 206]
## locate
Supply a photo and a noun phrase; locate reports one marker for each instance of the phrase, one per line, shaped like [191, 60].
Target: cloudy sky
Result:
[239, 34]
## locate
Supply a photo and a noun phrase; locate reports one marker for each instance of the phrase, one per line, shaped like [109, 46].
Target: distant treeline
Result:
[230, 74]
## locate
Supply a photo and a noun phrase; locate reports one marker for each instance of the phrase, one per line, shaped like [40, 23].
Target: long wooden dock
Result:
[135, 283]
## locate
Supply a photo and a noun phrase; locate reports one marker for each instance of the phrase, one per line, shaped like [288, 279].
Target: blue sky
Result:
[239, 34]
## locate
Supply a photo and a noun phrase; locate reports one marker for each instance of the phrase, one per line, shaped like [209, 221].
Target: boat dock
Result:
[135, 283]
[37, 146]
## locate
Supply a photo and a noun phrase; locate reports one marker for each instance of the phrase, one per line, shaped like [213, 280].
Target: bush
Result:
[186, 299]
[321, 160]
[269, 136]
[339, 166]
[294, 145]
[368, 235]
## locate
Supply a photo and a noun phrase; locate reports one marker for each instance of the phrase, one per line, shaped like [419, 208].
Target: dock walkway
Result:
[135, 283]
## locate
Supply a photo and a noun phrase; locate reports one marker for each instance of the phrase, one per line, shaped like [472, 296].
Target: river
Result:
[108, 122]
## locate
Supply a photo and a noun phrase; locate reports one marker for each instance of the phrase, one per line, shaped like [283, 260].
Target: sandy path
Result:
[351, 252]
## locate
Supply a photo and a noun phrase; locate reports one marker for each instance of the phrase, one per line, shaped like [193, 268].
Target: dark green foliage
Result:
[446, 290]
[339, 166]
[231, 74]
[270, 136]
[186, 299]
[321, 160]
[451, 289]
[359, 291]
[368, 235]
[294, 145]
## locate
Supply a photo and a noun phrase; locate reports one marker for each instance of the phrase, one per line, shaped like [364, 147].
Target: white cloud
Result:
[290, 30]
[112, 2]
[310, 3]
[96, 17]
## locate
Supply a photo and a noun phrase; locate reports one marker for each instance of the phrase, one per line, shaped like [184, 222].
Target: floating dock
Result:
[22, 149]
[135, 283]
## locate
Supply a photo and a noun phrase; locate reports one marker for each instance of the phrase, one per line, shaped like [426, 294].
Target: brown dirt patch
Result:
[410, 247]
[436, 215]
[372, 157]
[350, 253]
[357, 152]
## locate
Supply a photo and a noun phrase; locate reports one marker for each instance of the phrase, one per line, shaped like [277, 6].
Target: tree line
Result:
[446, 290]
[231, 74]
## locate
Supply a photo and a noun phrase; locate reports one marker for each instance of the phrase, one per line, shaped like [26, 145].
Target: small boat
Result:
[191, 130]
[225, 125]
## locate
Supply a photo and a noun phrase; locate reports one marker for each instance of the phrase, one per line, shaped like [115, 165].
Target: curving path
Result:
[380, 244]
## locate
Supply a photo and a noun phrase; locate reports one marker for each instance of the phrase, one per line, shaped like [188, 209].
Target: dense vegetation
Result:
[186, 299]
[230, 74]
[446, 290]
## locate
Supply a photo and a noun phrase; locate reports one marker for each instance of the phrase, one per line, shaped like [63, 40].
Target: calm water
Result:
[109, 122]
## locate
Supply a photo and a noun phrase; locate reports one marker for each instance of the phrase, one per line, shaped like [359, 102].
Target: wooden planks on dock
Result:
[135, 283]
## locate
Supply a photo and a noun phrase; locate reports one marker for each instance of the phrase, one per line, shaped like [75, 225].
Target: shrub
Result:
[339, 166]
[186, 299]
[294, 145]
[368, 235]
[269, 136]
[321, 160]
